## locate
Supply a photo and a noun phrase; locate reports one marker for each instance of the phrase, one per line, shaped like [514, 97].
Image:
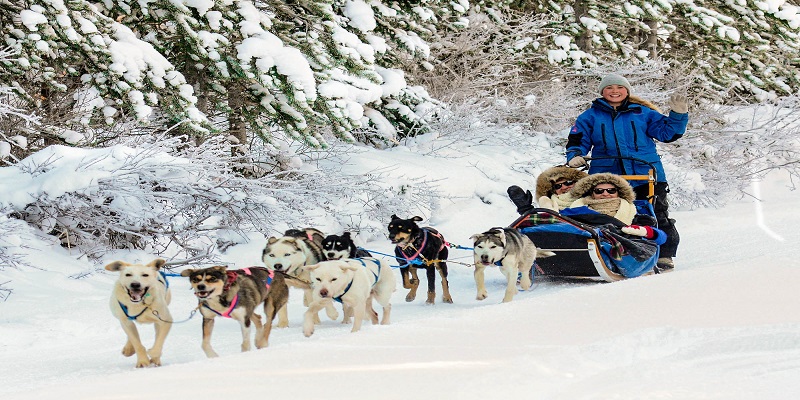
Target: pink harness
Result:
[232, 277]
[422, 246]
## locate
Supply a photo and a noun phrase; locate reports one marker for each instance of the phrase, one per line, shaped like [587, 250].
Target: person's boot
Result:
[665, 264]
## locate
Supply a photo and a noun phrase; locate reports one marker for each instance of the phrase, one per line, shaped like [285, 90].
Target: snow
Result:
[723, 325]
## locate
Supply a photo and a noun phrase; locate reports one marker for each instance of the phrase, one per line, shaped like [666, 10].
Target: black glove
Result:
[644, 219]
[521, 198]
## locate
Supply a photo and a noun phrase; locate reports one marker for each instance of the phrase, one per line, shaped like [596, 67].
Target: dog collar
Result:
[125, 310]
[226, 313]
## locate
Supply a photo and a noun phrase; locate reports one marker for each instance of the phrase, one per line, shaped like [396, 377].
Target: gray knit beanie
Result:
[614, 79]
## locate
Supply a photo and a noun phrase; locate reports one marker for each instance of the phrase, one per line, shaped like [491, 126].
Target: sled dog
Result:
[419, 248]
[311, 234]
[354, 283]
[289, 254]
[337, 247]
[235, 294]
[514, 252]
[141, 295]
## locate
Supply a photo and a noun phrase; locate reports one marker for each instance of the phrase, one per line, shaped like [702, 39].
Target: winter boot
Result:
[665, 264]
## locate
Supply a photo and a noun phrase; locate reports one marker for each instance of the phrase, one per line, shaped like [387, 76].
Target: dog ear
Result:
[221, 268]
[272, 240]
[502, 234]
[116, 265]
[416, 219]
[394, 217]
[157, 263]
[474, 237]
[350, 267]
[187, 272]
[346, 235]
[308, 267]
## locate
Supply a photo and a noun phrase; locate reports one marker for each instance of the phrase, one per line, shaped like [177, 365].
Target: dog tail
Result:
[544, 254]
[294, 281]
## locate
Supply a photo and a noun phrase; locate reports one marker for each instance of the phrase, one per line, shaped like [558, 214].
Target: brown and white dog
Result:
[514, 252]
[289, 254]
[141, 295]
[354, 283]
[235, 294]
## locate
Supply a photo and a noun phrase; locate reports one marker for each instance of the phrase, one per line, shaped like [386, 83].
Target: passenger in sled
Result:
[552, 189]
[598, 200]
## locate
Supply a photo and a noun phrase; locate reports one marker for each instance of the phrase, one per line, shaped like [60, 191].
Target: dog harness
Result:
[226, 313]
[378, 263]
[270, 275]
[125, 310]
[232, 275]
[418, 254]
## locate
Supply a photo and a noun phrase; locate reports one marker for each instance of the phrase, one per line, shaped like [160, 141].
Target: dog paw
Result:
[128, 350]
[431, 298]
[410, 297]
[142, 363]
[155, 362]
[482, 296]
[447, 299]
[332, 314]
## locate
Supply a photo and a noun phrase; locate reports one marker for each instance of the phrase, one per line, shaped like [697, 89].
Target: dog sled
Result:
[588, 252]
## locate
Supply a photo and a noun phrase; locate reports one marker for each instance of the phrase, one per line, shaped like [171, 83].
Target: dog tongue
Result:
[136, 296]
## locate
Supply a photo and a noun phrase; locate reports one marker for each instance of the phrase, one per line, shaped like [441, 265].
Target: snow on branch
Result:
[186, 203]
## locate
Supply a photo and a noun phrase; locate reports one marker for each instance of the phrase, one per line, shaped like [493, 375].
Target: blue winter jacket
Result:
[628, 131]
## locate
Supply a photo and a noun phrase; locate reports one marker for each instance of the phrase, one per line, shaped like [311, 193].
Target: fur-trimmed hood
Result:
[545, 181]
[583, 187]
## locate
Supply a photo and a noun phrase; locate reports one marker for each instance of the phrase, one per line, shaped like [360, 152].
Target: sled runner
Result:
[589, 252]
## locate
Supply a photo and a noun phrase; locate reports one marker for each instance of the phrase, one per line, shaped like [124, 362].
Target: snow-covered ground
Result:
[723, 325]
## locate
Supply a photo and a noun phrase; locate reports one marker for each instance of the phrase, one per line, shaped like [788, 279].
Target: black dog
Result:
[337, 247]
[419, 248]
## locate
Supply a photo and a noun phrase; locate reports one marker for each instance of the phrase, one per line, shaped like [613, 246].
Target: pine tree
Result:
[81, 70]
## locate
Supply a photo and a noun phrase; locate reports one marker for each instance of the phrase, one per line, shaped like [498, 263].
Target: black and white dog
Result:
[338, 247]
[420, 248]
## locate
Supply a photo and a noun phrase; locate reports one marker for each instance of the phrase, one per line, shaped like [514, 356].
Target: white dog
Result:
[513, 251]
[354, 283]
[141, 295]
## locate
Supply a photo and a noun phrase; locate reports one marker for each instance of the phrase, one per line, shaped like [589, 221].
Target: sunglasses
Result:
[557, 186]
[600, 191]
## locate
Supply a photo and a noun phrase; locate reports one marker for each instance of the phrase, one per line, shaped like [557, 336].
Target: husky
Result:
[236, 294]
[420, 248]
[354, 283]
[338, 247]
[141, 295]
[514, 252]
[312, 234]
[289, 255]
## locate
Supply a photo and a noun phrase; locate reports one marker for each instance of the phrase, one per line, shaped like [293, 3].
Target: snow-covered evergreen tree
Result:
[745, 47]
[79, 68]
